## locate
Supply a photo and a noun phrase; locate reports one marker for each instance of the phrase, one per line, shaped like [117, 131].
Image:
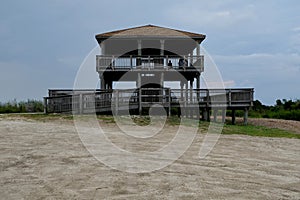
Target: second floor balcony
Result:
[153, 63]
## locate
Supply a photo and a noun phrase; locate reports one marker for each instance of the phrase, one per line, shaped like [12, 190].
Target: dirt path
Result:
[42, 160]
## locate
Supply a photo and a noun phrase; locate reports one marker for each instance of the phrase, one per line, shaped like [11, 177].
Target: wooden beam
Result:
[233, 121]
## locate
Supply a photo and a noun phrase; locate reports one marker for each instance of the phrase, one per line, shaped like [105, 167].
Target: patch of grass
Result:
[106, 118]
[37, 116]
[262, 131]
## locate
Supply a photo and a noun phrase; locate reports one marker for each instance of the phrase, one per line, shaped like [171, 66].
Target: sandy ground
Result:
[46, 160]
[288, 125]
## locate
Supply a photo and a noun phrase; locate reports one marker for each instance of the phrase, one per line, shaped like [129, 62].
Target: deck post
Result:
[102, 85]
[208, 114]
[181, 91]
[205, 114]
[186, 99]
[140, 93]
[215, 111]
[245, 116]
[191, 98]
[223, 115]
[117, 102]
[198, 87]
[80, 104]
[140, 101]
[233, 117]
[169, 101]
[45, 105]
[162, 47]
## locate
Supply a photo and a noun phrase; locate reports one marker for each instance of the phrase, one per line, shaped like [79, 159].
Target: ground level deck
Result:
[193, 103]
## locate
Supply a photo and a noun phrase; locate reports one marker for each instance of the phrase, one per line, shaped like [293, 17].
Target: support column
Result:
[102, 82]
[215, 114]
[110, 83]
[181, 91]
[191, 98]
[205, 114]
[223, 115]
[140, 93]
[169, 102]
[80, 104]
[138, 61]
[198, 50]
[191, 90]
[162, 78]
[162, 87]
[45, 105]
[162, 47]
[117, 102]
[246, 116]
[186, 99]
[198, 87]
[102, 45]
[233, 116]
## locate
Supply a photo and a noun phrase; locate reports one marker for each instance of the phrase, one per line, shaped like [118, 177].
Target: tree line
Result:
[283, 109]
[22, 106]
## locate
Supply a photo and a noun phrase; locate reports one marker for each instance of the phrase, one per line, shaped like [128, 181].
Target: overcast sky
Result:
[254, 43]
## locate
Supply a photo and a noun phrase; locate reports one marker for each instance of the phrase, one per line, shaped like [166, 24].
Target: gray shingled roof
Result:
[150, 31]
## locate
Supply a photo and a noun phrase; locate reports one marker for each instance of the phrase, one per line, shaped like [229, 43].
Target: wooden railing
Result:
[149, 62]
[109, 100]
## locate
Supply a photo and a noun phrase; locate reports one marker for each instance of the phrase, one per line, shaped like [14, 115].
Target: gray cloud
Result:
[255, 43]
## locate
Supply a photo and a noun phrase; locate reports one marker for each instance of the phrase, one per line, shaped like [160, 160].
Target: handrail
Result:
[101, 99]
[132, 62]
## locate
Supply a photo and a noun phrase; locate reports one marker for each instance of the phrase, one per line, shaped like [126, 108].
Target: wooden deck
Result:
[206, 101]
[149, 62]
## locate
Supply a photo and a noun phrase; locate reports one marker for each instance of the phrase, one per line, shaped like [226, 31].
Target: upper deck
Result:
[149, 63]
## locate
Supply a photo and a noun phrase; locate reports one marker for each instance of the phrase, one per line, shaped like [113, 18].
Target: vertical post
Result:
[167, 61]
[102, 81]
[140, 93]
[191, 90]
[102, 45]
[208, 114]
[45, 105]
[198, 50]
[181, 90]
[162, 87]
[169, 101]
[198, 88]
[215, 114]
[117, 102]
[233, 117]
[246, 116]
[191, 98]
[186, 99]
[140, 101]
[162, 50]
[223, 115]
[80, 104]
[229, 97]
[205, 114]
[139, 52]
[131, 62]
[162, 78]
[162, 47]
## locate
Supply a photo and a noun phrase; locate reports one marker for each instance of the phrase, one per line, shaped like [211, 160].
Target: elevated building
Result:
[149, 56]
